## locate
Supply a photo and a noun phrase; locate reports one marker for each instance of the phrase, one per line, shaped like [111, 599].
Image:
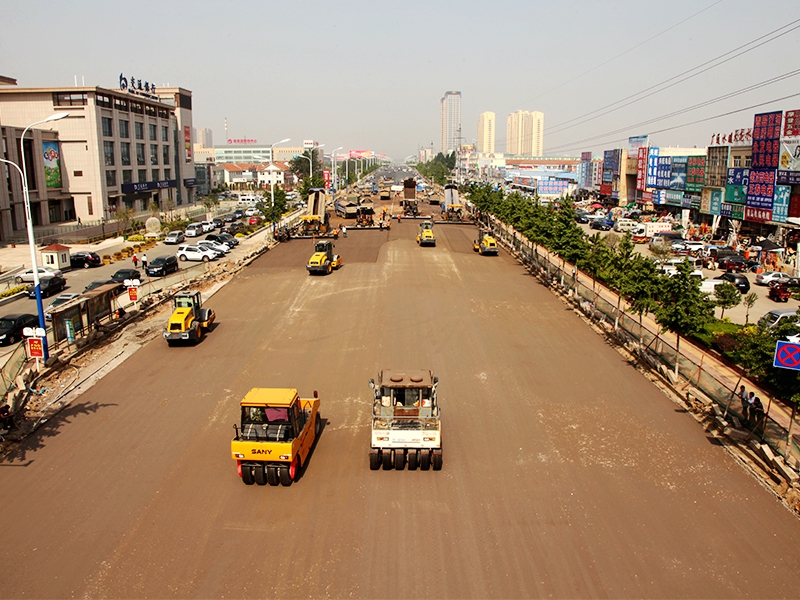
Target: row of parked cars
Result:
[229, 224]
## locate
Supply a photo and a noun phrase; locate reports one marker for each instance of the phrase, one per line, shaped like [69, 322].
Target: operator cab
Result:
[409, 393]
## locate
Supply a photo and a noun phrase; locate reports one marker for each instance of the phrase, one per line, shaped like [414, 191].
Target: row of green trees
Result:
[676, 302]
[439, 168]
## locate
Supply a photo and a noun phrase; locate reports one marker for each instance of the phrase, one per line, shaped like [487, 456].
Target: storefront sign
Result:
[191, 182]
[788, 178]
[674, 198]
[664, 171]
[135, 86]
[145, 186]
[35, 347]
[641, 168]
[652, 166]
[791, 123]
[757, 215]
[732, 211]
[780, 205]
[738, 137]
[716, 202]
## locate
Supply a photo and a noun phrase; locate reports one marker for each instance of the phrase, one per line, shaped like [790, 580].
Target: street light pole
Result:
[31, 241]
[335, 178]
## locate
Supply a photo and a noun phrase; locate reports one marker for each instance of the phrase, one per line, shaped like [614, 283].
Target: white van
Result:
[249, 200]
[625, 225]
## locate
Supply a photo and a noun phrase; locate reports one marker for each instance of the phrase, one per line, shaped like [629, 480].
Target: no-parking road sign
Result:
[787, 356]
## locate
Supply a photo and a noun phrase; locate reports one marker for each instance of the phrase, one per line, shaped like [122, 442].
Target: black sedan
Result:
[96, 284]
[11, 327]
[84, 260]
[218, 222]
[737, 264]
[230, 218]
[48, 286]
[740, 281]
[124, 274]
[601, 224]
[581, 216]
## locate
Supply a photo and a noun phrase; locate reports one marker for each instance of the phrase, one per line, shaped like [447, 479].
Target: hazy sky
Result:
[370, 74]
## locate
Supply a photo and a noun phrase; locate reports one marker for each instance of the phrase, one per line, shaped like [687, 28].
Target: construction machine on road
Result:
[323, 261]
[425, 236]
[406, 421]
[486, 244]
[189, 320]
[276, 434]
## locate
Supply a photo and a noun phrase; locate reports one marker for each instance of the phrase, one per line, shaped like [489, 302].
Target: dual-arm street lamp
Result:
[333, 165]
[310, 161]
[272, 179]
[29, 221]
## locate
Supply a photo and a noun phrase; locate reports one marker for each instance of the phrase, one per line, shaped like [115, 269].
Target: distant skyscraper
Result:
[205, 138]
[450, 122]
[486, 132]
[525, 133]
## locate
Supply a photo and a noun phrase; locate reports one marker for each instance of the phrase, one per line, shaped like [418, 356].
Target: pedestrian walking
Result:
[344, 231]
[135, 260]
[750, 406]
[144, 261]
[743, 397]
[757, 411]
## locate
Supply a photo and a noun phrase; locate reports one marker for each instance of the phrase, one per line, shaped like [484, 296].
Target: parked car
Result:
[230, 218]
[58, 301]
[189, 252]
[162, 265]
[194, 230]
[48, 286]
[581, 216]
[229, 239]
[27, 276]
[84, 260]
[238, 213]
[254, 220]
[769, 277]
[96, 284]
[218, 222]
[218, 238]
[250, 211]
[124, 274]
[740, 281]
[736, 263]
[11, 327]
[174, 237]
[777, 315]
[208, 226]
[223, 249]
[601, 224]
[232, 228]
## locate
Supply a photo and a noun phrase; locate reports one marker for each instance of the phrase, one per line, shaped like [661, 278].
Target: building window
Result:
[68, 99]
[108, 130]
[737, 161]
[127, 176]
[140, 154]
[77, 173]
[121, 104]
[152, 129]
[137, 107]
[111, 178]
[108, 153]
[153, 154]
[138, 130]
[142, 175]
[163, 113]
[156, 176]
[164, 133]
[102, 100]
[124, 128]
[167, 173]
[89, 207]
[125, 153]
[165, 155]
[150, 110]
[748, 160]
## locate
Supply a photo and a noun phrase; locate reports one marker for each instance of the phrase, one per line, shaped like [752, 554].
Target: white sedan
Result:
[220, 249]
[196, 253]
[27, 276]
[252, 211]
[769, 277]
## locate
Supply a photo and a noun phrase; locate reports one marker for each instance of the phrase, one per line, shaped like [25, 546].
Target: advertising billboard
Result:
[761, 189]
[636, 142]
[766, 140]
[695, 173]
[52, 164]
[187, 142]
[677, 180]
[780, 204]
[641, 168]
[652, 165]
[663, 171]
[791, 123]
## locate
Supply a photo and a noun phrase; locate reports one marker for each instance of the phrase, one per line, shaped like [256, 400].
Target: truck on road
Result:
[646, 230]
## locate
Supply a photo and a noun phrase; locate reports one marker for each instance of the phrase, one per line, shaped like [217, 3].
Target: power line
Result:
[661, 86]
[631, 49]
[687, 109]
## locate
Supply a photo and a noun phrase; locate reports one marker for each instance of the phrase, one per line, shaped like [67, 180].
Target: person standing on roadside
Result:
[757, 411]
[743, 397]
[144, 261]
[344, 231]
[135, 260]
[751, 399]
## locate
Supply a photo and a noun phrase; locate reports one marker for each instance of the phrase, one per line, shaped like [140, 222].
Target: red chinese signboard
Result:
[326, 176]
[641, 168]
[757, 215]
[605, 189]
[35, 347]
[133, 293]
[791, 123]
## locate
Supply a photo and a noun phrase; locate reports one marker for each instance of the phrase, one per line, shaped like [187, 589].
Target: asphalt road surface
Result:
[566, 473]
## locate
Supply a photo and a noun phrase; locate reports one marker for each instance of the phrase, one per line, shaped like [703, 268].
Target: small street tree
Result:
[639, 284]
[727, 296]
[682, 308]
[749, 300]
